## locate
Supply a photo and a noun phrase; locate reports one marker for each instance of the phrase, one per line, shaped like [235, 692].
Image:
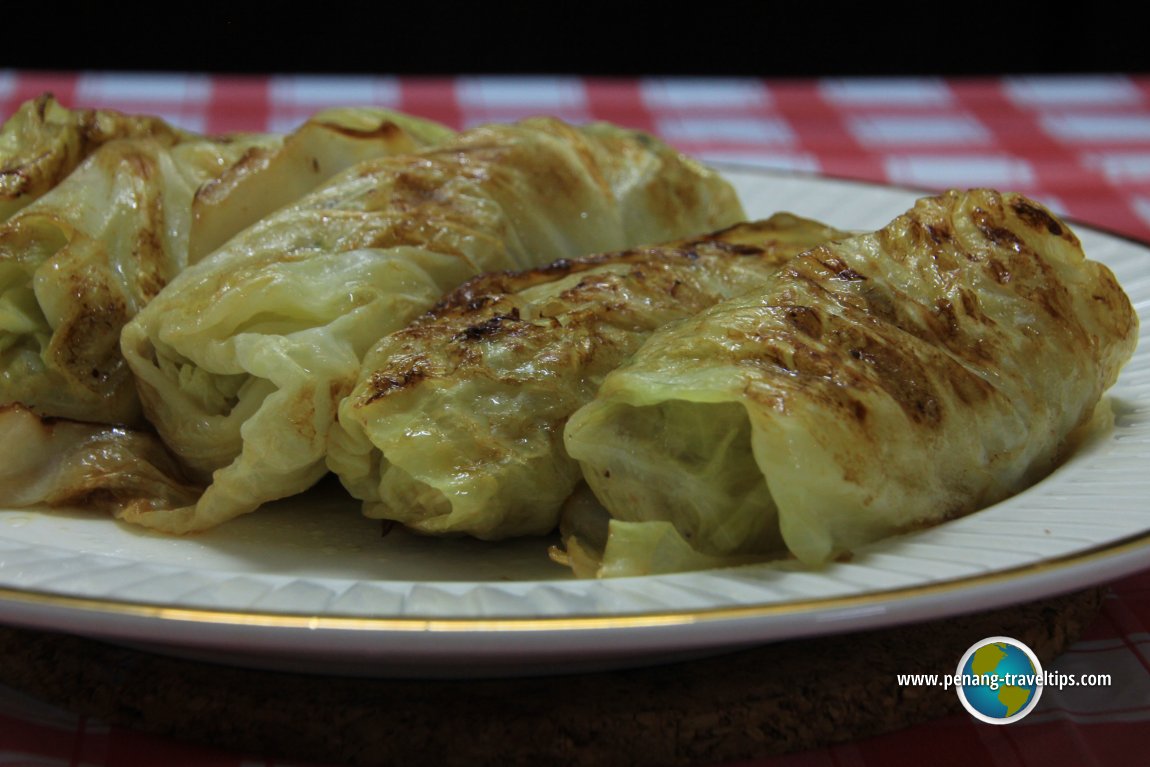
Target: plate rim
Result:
[347, 621]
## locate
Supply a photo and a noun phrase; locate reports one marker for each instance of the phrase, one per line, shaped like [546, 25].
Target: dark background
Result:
[798, 39]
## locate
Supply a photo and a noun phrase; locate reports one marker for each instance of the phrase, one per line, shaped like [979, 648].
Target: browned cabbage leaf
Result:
[243, 358]
[43, 142]
[269, 177]
[79, 262]
[874, 385]
[61, 462]
[456, 423]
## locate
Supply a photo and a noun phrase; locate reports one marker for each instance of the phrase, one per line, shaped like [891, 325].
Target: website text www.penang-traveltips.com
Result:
[1052, 679]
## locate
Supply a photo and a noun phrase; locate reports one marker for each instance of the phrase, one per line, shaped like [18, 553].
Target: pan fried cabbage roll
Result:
[456, 423]
[244, 357]
[43, 142]
[874, 385]
[80, 261]
[269, 177]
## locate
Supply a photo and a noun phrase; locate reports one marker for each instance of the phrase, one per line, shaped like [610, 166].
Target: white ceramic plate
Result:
[307, 583]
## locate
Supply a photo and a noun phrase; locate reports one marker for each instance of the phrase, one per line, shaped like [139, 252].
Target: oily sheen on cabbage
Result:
[456, 422]
[242, 360]
[874, 385]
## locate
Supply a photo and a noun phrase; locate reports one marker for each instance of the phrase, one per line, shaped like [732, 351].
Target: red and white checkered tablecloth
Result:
[1079, 144]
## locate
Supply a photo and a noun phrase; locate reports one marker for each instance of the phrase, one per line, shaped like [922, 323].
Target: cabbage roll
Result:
[80, 261]
[269, 177]
[243, 359]
[43, 142]
[456, 423]
[874, 385]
